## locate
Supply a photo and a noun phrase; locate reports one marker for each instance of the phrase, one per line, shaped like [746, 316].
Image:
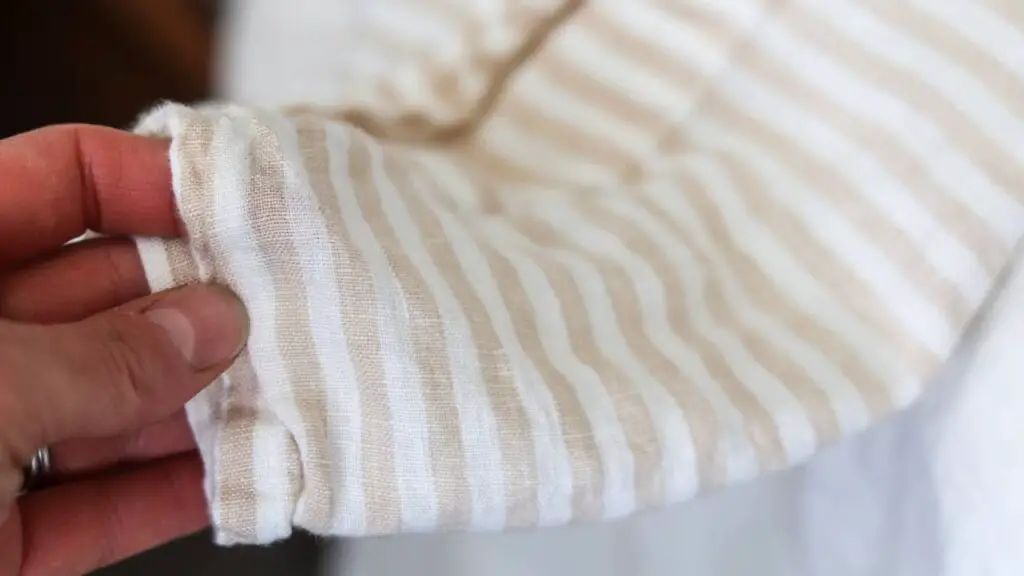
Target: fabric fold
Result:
[534, 325]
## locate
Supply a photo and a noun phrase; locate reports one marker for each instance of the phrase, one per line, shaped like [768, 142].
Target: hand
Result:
[90, 364]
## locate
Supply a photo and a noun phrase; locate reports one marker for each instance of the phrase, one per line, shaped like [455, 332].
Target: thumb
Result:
[116, 371]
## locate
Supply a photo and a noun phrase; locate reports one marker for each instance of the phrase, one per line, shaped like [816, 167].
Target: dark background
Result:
[101, 61]
[105, 62]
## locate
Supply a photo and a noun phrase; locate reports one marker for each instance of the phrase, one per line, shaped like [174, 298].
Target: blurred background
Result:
[102, 61]
[105, 62]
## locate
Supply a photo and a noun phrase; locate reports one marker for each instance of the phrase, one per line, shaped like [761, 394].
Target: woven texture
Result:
[591, 257]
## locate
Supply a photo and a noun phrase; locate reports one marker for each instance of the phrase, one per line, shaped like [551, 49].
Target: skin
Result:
[86, 365]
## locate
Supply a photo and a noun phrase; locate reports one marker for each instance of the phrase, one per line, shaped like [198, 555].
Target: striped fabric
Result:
[583, 258]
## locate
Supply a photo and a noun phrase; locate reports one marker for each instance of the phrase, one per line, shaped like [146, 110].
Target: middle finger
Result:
[78, 281]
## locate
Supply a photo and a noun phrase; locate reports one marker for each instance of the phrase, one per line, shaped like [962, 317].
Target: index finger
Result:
[57, 182]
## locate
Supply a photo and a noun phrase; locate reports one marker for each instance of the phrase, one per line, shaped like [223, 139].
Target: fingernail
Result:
[207, 323]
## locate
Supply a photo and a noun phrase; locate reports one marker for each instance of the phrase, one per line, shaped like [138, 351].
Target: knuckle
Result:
[16, 425]
[118, 360]
[116, 270]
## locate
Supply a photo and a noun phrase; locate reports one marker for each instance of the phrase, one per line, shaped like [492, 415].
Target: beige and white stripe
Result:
[560, 260]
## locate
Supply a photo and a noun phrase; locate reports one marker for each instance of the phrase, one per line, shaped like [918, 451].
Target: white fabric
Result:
[937, 491]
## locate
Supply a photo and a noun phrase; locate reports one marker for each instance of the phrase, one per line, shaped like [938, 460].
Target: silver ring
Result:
[36, 470]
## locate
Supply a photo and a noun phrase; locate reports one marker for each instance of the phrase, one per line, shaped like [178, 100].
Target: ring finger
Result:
[168, 437]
